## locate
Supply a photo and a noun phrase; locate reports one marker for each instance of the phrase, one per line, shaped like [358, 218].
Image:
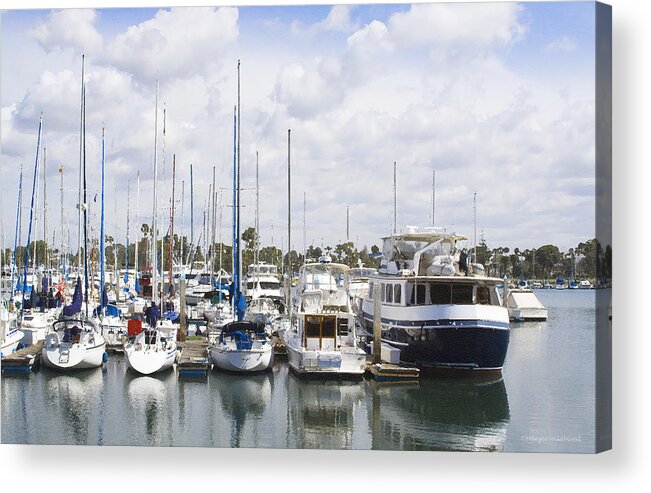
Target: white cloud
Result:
[69, 28]
[565, 44]
[338, 19]
[175, 42]
[476, 24]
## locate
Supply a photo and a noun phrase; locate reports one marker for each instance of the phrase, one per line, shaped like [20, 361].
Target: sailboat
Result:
[74, 341]
[242, 346]
[153, 349]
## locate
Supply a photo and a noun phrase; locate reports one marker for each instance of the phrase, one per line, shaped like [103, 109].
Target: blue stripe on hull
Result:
[466, 346]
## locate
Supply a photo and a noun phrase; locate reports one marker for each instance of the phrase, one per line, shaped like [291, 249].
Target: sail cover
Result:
[75, 306]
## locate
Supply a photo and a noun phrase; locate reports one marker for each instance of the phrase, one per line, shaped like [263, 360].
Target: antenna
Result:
[347, 223]
[433, 196]
[474, 206]
[395, 200]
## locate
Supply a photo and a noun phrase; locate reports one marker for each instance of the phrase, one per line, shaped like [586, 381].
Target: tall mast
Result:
[257, 218]
[62, 255]
[101, 240]
[289, 223]
[304, 226]
[138, 225]
[183, 243]
[433, 196]
[81, 147]
[239, 165]
[31, 214]
[171, 242]
[212, 230]
[126, 253]
[45, 260]
[236, 278]
[347, 223]
[154, 256]
[84, 191]
[474, 207]
[162, 247]
[17, 232]
[395, 200]
[191, 214]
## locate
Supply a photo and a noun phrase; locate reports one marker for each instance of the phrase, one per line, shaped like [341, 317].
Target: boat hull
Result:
[326, 363]
[73, 356]
[10, 344]
[253, 360]
[149, 360]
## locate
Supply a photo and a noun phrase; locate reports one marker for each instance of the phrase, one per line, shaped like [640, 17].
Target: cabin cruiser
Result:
[322, 339]
[523, 305]
[262, 282]
[437, 308]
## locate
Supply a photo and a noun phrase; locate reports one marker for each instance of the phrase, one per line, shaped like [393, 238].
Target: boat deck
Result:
[24, 360]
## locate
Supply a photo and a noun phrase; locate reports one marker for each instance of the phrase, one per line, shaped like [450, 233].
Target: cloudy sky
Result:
[498, 98]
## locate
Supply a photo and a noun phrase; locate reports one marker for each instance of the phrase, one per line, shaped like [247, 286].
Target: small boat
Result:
[242, 346]
[264, 310]
[524, 306]
[74, 343]
[262, 282]
[10, 336]
[585, 284]
[151, 351]
[35, 325]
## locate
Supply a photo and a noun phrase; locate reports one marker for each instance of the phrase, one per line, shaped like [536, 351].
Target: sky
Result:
[497, 98]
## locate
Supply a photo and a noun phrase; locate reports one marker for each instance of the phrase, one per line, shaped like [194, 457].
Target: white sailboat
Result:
[153, 349]
[242, 346]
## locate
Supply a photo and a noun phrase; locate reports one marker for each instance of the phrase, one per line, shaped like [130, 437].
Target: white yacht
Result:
[152, 350]
[262, 281]
[322, 339]
[10, 336]
[437, 308]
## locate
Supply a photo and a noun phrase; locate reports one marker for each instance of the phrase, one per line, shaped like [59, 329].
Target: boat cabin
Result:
[436, 291]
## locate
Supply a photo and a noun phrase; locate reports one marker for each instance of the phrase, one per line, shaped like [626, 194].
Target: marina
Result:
[278, 409]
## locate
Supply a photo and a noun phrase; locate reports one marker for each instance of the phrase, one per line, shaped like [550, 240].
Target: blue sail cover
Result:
[45, 284]
[241, 305]
[137, 286]
[152, 315]
[75, 306]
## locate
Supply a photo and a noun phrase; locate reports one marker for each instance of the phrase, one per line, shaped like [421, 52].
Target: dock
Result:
[386, 372]
[193, 360]
[23, 361]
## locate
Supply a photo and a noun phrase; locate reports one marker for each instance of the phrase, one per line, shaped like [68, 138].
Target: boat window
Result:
[420, 294]
[270, 285]
[312, 326]
[249, 285]
[389, 295]
[440, 294]
[483, 295]
[462, 294]
[370, 290]
[383, 288]
[396, 293]
[409, 293]
[328, 329]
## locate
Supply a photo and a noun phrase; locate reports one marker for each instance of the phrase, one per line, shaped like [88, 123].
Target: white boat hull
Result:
[67, 356]
[242, 360]
[10, 343]
[150, 360]
[306, 362]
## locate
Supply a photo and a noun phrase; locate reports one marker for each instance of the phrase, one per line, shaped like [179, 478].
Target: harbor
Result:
[519, 410]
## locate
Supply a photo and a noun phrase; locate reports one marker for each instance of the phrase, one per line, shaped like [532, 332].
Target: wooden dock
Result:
[23, 361]
[385, 372]
[193, 361]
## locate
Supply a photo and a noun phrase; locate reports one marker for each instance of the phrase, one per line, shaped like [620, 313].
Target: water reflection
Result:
[324, 413]
[450, 414]
[75, 398]
[149, 407]
[243, 400]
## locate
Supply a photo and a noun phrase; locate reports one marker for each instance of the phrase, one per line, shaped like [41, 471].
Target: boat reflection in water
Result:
[243, 399]
[149, 408]
[326, 414]
[462, 414]
[75, 407]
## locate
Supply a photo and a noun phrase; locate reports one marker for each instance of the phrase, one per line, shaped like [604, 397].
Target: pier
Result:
[193, 360]
[23, 361]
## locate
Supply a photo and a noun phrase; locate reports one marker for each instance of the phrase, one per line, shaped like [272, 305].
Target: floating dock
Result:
[23, 361]
[193, 361]
[386, 372]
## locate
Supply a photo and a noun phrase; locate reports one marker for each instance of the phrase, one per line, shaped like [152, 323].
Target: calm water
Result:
[543, 402]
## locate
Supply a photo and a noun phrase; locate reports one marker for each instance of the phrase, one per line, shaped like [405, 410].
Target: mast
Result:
[101, 241]
[138, 230]
[433, 195]
[62, 255]
[395, 200]
[31, 214]
[154, 256]
[14, 266]
[162, 247]
[81, 151]
[289, 224]
[191, 215]
[236, 277]
[45, 212]
[212, 230]
[239, 162]
[171, 242]
[304, 227]
[474, 207]
[347, 223]
[183, 243]
[84, 191]
[256, 261]
[126, 253]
